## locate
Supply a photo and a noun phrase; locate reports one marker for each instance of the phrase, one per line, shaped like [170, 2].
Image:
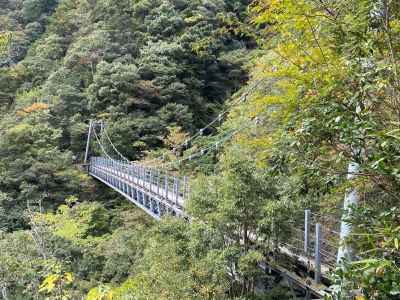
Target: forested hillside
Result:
[311, 90]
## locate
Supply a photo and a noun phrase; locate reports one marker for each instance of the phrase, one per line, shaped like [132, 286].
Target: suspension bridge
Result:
[313, 244]
[159, 193]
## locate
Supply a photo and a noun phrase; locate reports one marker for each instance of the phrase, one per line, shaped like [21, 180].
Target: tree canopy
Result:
[303, 88]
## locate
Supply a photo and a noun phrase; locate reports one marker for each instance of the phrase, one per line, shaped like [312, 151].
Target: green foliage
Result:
[23, 21]
[171, 269]
[19, 264]
[56, 285]
[4, 42]
[33, 9]
[335, 68]
[100, 293]
[84, 221]
[376, 271]
[112, 85]
[155, 70]
[34, 170]
[234, 208]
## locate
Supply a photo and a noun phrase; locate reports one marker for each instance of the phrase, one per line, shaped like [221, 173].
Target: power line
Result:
[220, 116]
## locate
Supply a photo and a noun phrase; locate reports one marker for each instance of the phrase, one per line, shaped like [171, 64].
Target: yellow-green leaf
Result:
[49, 283]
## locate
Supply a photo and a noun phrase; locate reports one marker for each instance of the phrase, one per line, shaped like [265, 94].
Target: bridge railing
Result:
[171, 188]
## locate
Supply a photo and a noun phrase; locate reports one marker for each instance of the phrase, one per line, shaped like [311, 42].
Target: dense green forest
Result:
[312, 87]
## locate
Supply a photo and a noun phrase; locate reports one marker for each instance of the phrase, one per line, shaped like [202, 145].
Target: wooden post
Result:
[306, 231]
[318, 237]
[88, 141]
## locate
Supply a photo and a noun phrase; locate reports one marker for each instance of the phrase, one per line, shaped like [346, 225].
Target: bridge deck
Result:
[156, 195]
[170, 196]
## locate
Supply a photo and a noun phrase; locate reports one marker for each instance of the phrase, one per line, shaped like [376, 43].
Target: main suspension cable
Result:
[219, 118]
[113, 146]
[205, 150]
[101, 145]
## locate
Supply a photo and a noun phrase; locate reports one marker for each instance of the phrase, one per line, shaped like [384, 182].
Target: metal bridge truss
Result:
[156, 192]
